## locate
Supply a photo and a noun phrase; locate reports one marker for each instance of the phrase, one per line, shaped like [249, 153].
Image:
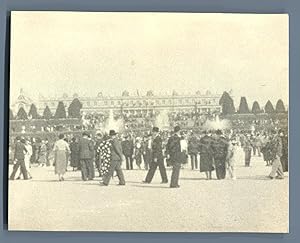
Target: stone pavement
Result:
[252, 203]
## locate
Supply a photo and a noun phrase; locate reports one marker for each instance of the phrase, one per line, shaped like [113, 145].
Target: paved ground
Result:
[252, 203]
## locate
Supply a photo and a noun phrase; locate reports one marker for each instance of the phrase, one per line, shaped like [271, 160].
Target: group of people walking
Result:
[217, 151]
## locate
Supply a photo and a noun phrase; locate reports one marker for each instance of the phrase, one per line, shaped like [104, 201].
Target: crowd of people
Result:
[104, 153]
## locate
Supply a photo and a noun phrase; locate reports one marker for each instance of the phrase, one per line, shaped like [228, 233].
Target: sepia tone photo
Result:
[148, 122]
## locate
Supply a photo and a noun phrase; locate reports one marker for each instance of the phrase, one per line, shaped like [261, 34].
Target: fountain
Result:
[216, 124]
[162, 120]
[113, 124]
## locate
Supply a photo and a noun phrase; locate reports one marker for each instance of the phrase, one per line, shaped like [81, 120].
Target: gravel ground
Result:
[252, 203]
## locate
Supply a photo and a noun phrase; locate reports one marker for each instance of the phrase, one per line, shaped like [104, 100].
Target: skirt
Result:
[61, 161]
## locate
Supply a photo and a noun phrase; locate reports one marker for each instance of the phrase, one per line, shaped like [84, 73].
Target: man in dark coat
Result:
[157, 158]
[285, 151]
[206, 157]
[86, 149]
[147, 151]
[193, 145]
[173, 151]
[19, 157]
[115, 161]
[127, 148]
[220, 150]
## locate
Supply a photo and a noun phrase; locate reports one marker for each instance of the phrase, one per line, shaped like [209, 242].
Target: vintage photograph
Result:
[148, 122]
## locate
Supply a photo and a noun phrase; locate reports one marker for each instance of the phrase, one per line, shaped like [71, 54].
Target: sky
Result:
[86, 53]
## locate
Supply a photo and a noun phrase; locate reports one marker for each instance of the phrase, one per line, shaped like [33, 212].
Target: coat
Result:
[206, 157]
[20, 151]
[173, 149]
[116, 150]
[86, 148]
[157, 150]
[127, 147]
[193, 145]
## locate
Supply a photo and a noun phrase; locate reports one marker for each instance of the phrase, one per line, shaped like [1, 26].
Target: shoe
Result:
[18, 178]
[177, 186]
[145, 182]
[121, 184]
[279, 177]
[164, 182]
[62, 179]
[103, 184]
[270, 177]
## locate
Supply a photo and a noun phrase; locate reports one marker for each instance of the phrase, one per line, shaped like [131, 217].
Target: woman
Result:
[43, 154]
[138, 151]
[61, 153]
[105, 152]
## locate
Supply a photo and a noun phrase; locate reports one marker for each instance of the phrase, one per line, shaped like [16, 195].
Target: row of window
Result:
[145, 102]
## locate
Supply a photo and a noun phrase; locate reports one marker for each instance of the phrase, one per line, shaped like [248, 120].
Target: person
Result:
[48, 150]
[86, 148]
[285, 153]
[266, 150]
[127, 148]
[147, 151]
[104, 153]
[138, 151]
[42, 158]
[220, 150]
[74, 156]
[276, 145]
[61, 153]
[173, 152]
[157, 158]
[27, 159]
[99, 140]
[193, 145]
[206, 158]
[232, 158]
[116, 157]
[19, 159]
[247, 149]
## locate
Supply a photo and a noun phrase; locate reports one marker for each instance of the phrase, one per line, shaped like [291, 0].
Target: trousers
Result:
[87, 169]
[175, 174]
[20, 163]
[162, 170]
[114, 166]
[277, 168]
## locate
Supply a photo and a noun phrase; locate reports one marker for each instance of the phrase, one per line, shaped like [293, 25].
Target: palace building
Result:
[203, 103]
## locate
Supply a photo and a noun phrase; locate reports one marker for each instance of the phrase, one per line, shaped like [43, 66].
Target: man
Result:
[49, 148]
[193, 145]
[247, 149]
[276, 146]
[173, 151]
[115, 161]
[206, 157]
[285, 151]
[220, 150]
[19, 157]
[147, 151]
[127, 148]
[85, 154]
[157, 158]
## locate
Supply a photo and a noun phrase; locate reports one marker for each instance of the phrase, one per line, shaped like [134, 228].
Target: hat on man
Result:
[155, 129]
[177, 129]
[112, 133]
[85, 134]
[18, 138]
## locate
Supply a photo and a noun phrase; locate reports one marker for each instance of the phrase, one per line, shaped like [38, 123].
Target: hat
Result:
[219, 132]
[112, 133]
[85, 134]
[18, 138]
[155, 129]
[177, 129]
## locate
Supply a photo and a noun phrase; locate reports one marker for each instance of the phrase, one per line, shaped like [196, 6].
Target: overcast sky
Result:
[64, 52]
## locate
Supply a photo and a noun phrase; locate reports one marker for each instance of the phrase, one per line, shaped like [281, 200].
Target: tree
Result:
[269, 107]
[33, 112]
[227, 104]
[47, 114]
[74, 108]
[11, 115]
[280, 106]
[60, 110]
[22, 115]
[255, 108]
[243, 108]
[149, 93]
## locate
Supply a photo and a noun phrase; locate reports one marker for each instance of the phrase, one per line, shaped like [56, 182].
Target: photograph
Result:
[148, 122]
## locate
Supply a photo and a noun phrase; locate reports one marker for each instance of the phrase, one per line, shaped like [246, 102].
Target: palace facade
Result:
[203, 103]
